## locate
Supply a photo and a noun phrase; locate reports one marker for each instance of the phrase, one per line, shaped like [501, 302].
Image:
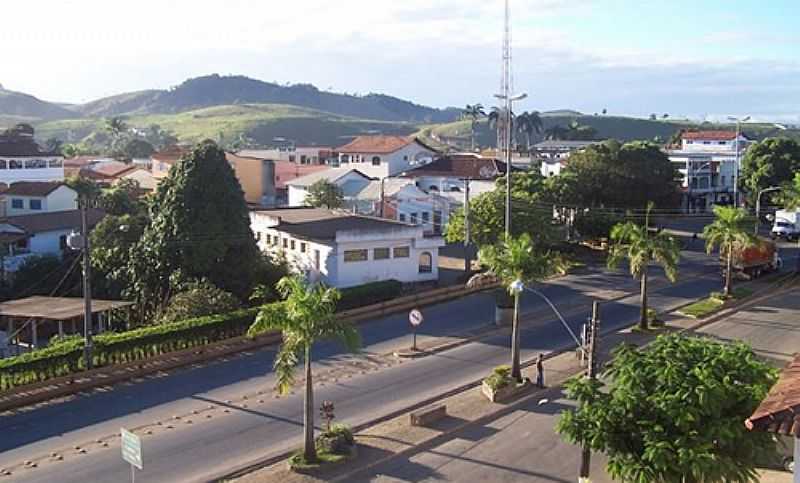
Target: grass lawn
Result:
[702, 308]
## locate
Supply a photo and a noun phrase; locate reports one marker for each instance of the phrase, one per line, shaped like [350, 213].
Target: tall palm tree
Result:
[556, 133]
[730, 229]
[497, 121]
[473, 112]
[529, 123]
[309, 317]
[515, 259]
[641, 248]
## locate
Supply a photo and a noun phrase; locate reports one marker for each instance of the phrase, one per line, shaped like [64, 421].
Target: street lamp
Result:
[758, 204]
[738, 121]
[509, 101]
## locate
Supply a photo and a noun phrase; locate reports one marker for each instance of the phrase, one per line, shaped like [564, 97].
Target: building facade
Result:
[28, 197]
[382, 156]
[343, 250]
[350, 181]
[21, 159]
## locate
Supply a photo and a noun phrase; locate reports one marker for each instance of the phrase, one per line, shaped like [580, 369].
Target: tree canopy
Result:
[771, 162]
[199, 228]
[674, 412]
[324, 194]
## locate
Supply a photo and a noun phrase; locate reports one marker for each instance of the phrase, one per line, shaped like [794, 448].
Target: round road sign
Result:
[415, 317]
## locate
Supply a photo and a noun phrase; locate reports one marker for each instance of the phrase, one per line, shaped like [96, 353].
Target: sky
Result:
[703, 59]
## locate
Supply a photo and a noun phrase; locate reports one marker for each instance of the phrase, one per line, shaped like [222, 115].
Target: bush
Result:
[198, 299]
[594, 225]
[371, 293]
[66, 357]
[337, 440]
[500, 377]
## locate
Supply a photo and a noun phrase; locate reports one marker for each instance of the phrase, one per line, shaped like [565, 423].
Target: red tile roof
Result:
[780, 411]
[53, 220]
[286, 171]
[170, 154]
[112, 169]
[376, 144]
[709, 135]
[32, 188]
[461, 166]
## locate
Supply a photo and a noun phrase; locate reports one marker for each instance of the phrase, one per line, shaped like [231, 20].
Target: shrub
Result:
[198, 299]
[500, 377]
[371, 293]
[594, 225]
[336, 440]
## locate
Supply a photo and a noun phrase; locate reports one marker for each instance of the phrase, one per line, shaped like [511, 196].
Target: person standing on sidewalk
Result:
[540, 371]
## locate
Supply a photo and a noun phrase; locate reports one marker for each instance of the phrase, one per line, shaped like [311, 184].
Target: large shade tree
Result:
[771, 162]
[674, 412]
[307, 316]
[199, 228]
[729, 231]
[515, 260]
[635, 243]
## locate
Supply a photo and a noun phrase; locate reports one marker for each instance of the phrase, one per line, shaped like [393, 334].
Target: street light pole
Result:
[509, 102]
[586, 452]
[87, 287]
[467, 241]
[758, 204]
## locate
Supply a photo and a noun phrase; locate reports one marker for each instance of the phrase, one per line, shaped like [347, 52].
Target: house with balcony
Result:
[383, 156]
[707, 160]
[342, 249]
[22, 159]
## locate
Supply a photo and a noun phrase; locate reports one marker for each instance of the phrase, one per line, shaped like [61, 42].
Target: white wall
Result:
[47, 242]
[297, 195]
[351, 183]
[54, 170]
[403, 159]
[62, 198]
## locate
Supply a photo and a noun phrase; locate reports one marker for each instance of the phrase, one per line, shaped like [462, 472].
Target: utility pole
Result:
[87, 283]
[736, 168]
[467, 241]
[586, 454]
[382, 196]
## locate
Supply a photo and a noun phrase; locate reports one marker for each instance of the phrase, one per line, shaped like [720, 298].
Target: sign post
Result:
[415, 317]
[131, 451]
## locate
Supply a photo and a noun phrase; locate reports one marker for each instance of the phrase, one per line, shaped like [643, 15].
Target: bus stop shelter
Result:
[46, 315]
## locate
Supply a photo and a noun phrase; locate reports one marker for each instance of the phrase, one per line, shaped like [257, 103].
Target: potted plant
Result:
[499, 386]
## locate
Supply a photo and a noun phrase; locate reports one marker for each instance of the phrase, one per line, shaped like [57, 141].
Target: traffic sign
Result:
[415, 317]
[131, 448]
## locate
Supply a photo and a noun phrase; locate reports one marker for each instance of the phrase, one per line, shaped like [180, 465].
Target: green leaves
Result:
[633, 242]
[324, 194]
[674, 410]
[516, 259]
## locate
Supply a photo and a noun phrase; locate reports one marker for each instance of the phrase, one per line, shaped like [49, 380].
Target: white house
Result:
[402, 200]
[350, 180]
[345, 250]
[39, 234]
[707, 160]
[382, 156]
[21, 159]
[552, 154]
[29, 197]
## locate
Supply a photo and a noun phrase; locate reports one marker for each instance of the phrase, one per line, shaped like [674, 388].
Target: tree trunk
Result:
[516, 373]
[472, 136]
[643, 322]
[309, 451]
[729, 270]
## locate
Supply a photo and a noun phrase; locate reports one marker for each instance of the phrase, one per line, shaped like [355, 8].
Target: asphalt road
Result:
[522, 445]
[235, 435]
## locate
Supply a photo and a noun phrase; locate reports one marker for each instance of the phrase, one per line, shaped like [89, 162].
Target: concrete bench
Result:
[428, 415]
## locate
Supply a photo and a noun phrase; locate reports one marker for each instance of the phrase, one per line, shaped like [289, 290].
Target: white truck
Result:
[787, 225]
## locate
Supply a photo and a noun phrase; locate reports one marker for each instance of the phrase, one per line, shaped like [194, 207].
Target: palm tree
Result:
[640, 247]
[529, 123]
[473, 112]
[556, 133]
[515, 259]
[730, 229]
[309, 317]
[497, 121]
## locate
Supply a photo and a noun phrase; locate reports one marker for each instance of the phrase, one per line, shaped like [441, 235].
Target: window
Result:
[376, 160]
[36, 163]
[401, 252]
[18, 203]
[316, 259]
[455, 189]
[302, 247]
[276, 240]
[56, 163]
[413, 217]
[3, 164]
[62, 242]
[303, 159]
[689, 142]
[722, 180]
[35, 204]
[293, 245]
[425, 263]
[706, 142]
[258, 236]
[723, 142]
[433, 187]
[285, 243]
[355, 255]
[402, 217]
[15, 164]
[380, 254]
[425, 217]
[292, 157]
[405, 158]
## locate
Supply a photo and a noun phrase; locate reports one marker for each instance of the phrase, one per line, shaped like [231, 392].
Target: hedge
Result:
[116, 348]
[368, 294]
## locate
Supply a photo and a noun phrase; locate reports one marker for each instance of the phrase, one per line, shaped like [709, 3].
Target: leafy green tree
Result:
[771, 162]
[673, 412]
[199, 228]
[729, 231]
[198, 298]
[137, 148]
[604, 174]
[641, 248]
[309, 317]
[594, 224]
[515, 259]
[324, 194]
[473, 112]
[790, 195]
[111, 242]
[487, 213]
[54, 145]
[159, 138]
[123, 198]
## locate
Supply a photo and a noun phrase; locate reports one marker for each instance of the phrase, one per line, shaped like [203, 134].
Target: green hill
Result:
[24, 107]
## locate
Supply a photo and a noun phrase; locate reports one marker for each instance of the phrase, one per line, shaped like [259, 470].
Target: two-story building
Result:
[349, 180]
[303, 155]
[342, 250]
[382, 156]
[30, 197]
[708, 162]
[21, 159]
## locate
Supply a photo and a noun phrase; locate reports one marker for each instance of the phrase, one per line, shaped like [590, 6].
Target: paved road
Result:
[522, 445]
[235, 434]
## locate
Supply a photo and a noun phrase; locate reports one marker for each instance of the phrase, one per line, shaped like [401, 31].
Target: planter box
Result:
[506, 392]
[503, 316]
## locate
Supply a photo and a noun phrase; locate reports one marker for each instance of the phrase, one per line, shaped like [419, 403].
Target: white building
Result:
[382, 156]
[707, 162]
[293, 154]
[21, 159]
[350, 180]
[402, 200]
[30, 197]
[345, 250]
[552, 154]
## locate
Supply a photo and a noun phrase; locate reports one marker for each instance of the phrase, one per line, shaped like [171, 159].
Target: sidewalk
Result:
[404, 453]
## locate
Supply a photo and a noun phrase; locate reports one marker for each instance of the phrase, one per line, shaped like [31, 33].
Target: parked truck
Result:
[754, 260]
[787, 225]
